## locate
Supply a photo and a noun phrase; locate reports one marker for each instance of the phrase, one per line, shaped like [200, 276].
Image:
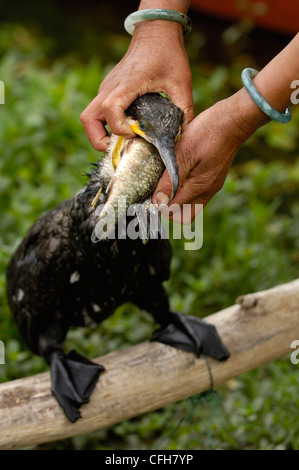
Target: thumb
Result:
[162, 193]
[184, 100]
[114, 107]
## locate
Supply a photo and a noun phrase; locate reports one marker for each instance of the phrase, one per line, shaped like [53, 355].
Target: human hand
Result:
[156, 61]
[205, 153]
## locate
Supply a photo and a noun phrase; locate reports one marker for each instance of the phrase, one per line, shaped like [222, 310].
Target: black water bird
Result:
[59, 278]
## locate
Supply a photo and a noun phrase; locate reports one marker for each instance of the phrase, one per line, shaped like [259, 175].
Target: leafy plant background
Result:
[53, 57]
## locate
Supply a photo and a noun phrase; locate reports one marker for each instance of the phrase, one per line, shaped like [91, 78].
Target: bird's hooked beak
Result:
[166, 148]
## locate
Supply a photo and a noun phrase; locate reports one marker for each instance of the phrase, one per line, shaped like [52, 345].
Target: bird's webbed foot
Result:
[148, 219]
[192, 334]
[73, 380]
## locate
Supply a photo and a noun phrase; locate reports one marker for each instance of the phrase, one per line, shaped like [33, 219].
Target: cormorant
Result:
[59, 278]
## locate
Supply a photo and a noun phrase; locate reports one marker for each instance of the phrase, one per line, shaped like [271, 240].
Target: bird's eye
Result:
[142, 125]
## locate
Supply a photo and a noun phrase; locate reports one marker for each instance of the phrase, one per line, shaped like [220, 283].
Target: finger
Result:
[93, 122]
[186, 105]
[114, 107]
[182, 97]
[162, 193]
[188, 115]
[96, 134]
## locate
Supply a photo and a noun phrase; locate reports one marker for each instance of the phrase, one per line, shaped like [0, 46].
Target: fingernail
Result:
[104, 139]
[162, 199]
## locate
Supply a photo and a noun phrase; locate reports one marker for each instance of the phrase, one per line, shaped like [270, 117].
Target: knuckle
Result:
[83, 117]
[106, 105]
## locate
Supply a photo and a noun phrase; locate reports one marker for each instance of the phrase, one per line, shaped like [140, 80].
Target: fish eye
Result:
[142, 125]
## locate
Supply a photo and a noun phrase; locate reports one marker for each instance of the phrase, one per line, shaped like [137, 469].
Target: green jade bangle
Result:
[246, 78]
[157, 14]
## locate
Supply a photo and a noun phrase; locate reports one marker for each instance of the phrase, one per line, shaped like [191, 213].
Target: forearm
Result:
[274, 84]
[274, 80]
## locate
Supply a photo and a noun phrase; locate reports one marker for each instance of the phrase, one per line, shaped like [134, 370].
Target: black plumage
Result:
[58, 278]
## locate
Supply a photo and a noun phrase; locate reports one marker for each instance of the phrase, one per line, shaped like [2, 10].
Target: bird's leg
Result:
[178, 330]
[192, 334]
[73, 376]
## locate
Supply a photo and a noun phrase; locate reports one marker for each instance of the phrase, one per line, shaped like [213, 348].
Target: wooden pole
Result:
[148, 376]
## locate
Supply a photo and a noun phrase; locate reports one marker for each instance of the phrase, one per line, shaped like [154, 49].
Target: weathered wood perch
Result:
[143, 378]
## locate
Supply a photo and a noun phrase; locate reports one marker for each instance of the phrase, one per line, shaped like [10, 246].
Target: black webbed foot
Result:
[192, 334]
[73, 380]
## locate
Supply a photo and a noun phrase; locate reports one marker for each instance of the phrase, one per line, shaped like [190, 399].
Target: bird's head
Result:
[158, 120]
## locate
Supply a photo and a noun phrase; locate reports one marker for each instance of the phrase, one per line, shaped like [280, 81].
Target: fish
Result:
[132, 167]
[132, 182]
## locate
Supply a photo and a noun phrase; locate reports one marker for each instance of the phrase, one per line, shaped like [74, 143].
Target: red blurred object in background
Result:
[278, 15]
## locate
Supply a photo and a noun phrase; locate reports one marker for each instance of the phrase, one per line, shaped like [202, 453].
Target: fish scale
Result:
[134, 180]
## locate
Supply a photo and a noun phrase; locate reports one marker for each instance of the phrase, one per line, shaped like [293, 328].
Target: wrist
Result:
[177, 5]
[158, 35]
[246, 116]
[159, 21]
[158, 29]
[163, 26]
